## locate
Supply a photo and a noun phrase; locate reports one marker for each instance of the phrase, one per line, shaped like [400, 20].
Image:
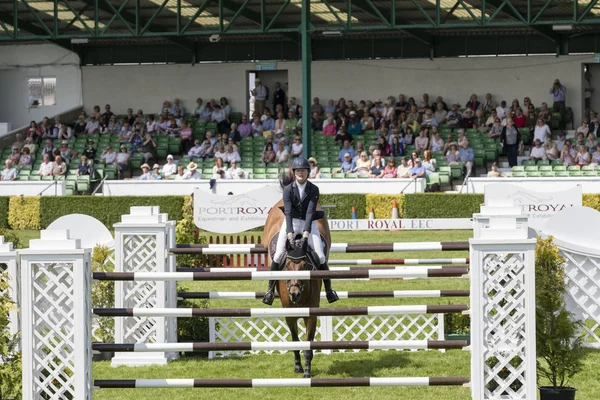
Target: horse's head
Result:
[296, 260]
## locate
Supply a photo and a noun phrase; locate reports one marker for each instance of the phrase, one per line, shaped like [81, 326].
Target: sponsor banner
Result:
[539, 207]
[233, 214]
[399, 224]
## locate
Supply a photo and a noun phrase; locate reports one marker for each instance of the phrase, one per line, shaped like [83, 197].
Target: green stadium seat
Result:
[575, 173]
[547, 174]
[561, 174]
[531, 168]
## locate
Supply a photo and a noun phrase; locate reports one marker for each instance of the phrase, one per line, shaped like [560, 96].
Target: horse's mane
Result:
[285, 178]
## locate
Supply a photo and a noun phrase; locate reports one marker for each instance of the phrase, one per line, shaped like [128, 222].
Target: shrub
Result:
[103, 294]
[4, 211]
[592, 201]
[24, 212]
[10, 361]
[107, 210]
[457, 323]
[442, 205]
[343, 205]
[187, 232]
[10, 236]
[192, 329]
[382, 204]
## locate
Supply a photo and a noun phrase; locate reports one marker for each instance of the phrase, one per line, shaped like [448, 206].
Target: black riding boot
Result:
[331, 295]
[270, 295]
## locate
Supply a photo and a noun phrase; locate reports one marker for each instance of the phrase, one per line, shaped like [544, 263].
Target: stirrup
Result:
[270, 295]
[331, 295]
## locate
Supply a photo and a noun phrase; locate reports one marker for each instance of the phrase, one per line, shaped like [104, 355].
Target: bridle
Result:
[296, 256]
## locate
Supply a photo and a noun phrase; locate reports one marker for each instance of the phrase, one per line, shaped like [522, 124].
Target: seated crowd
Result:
[396, 138]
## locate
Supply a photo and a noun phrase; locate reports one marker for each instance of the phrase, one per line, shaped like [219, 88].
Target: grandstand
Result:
[370, 60]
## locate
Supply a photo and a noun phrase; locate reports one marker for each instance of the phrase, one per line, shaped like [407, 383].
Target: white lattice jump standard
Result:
[283, 346]
[400, 261]
[409, 272]
[335, 248]
[394, 294]
[278, 312]
[274, 383]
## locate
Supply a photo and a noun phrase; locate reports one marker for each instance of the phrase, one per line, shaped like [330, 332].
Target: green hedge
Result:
[4, 211]
[107, 210]
[343, 205]
[442, 205]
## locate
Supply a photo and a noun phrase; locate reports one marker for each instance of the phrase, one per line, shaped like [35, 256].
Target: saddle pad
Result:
[273, 245]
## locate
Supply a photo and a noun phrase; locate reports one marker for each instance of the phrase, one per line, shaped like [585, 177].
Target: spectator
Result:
[192, 173]
[417, 171]
[595, 127]
[93, 126]
[422, 141]
[437, 143]
[49, 149]
[9, 173]
[59, 167]
[292, 122]
[404, 169]
[245, 128]
[26, 158]
[257, 128]
[180, 173]
[220, 118]
[501, 110]
[278, 96]
[66, 152]
[317, 107]
[363, 164]
[15, 156]
[559, 92]
[297, 147]
[428, 119]
[354, 125]
[467, 156]
[83, 168]
[397, 146]
[383, 147]
[596, 157]
[162, 124]
[109, 156]
[316, 124]
[146, 175]
[467, 119]
[122, 161]
[196, 150]
[185, 134]
[583, 156]
[430, 164]
[148, 148]
[453, 118]
[314, 169]
[151, 124]
[408, 136]
[391, 169]
[33, 132]
[494, 173]
[261, 95]
[568, 154]
[283, 155]
[511, 140]
[329, 126]
[473, 103]
[199, 108]
[225, 107]
[496, 129]
[479, 120]
[537, 152]
[130, 118]
[156, 175]
[207, 150]
[584, 128]
[519, 119]
[46, 166]
[545, 113]
[440, 114]
[541, 131]
[236, 173]
[561, 141]
[591, 142]
[231, 154]
[413, 158]
[279, 125]
[492, 118]
[47, 130]
[330, 108]
[170, 168]
[173, 127]
[207, 113]
[488, 104]
[220, 151]
[125, 134]
[113, 127]
[176, 107]
[550, 150]
[268, 155]
[377, 170]
[346, 148]
[348, 164]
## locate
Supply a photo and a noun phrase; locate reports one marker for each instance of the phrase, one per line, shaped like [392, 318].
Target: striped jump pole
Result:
[278, 312]
[401, 261]
[411, 272]
[335, 248]
[253, 269]
[394, 294]
[281, 346]
[276, 383]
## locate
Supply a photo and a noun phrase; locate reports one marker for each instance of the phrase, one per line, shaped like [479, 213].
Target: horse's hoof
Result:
[298, 370]
[307, 375]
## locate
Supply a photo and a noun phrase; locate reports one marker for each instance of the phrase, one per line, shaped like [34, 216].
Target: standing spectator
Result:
[467, 156]
[9, 173]
[46, 166]
[261, 95]
[559, 93]
[60, 167]
[278, 95]
[511, 139]
[541, 131]
[588, 90]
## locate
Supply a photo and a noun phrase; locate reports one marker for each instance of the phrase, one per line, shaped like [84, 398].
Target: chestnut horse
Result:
[294, 293]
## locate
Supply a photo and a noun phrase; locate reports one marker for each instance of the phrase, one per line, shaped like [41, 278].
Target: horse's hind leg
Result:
[311, 329]
[293, 326]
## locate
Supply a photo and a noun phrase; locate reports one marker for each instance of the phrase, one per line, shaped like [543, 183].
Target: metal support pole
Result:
[306, 78]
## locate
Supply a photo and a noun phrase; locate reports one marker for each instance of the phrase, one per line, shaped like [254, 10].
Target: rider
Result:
[300, 200]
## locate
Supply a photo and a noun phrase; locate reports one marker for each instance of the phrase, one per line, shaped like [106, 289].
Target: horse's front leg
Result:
[293, 326]
[311, 329]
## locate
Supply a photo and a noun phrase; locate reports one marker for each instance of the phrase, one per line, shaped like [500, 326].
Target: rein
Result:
[301, 284]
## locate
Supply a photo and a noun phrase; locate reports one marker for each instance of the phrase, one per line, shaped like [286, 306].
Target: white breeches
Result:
[314, 240]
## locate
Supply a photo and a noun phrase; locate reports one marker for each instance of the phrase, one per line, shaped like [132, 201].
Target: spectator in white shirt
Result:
[236, 173]
[537, 152]
[542, 131]
[220, 153]
[46, 166]
[195, 150]
[93, 126]
[297, 147]
[501, 110]
[209, 136]
[170, 168]
[180, 173]
[282, 154]
[108, 156]
[231, 154]
[9, 173]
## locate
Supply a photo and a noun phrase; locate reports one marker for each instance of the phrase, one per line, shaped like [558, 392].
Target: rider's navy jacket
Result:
[295, 207]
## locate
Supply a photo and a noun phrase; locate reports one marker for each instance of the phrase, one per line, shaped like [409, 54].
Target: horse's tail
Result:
[286, 177]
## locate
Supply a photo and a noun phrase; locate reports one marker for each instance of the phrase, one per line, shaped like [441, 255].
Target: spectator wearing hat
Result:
[234, 172]
[9, 173]
[467, 119]
[170, 168]
[66, 152]
[59, 167]
[348, 164]
[156, 174]
[537, 152]
[417, 171]
[191, 173]
[314, 169]
[146, 175]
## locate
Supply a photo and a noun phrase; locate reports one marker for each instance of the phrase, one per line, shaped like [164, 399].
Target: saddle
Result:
[298, 253]
[319, 214]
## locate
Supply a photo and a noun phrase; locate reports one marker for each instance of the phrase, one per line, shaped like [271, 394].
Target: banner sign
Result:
[399, 224]
[537, 206]
[234, 214]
